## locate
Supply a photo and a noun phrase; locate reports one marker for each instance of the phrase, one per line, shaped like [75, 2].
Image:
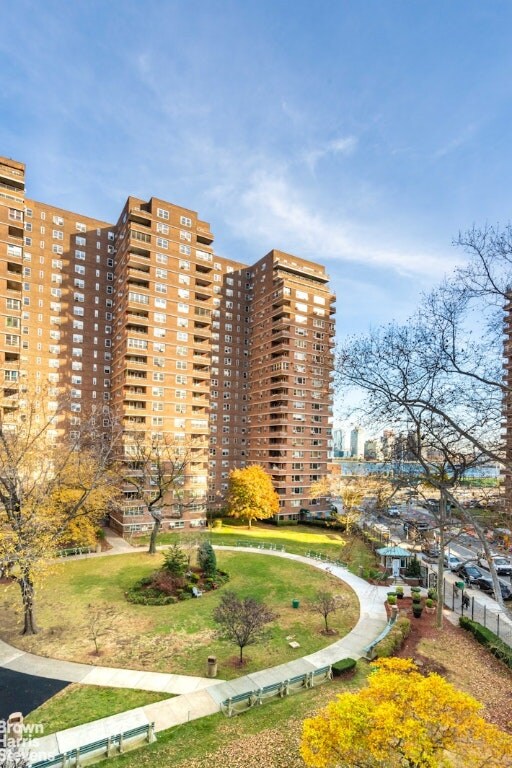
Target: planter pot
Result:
[429, 610]
[417, 613]
[400, 595]
[411, 581]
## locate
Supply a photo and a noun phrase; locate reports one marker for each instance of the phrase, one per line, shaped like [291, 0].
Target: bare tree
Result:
[242, 620]
[325, 603]
[440, 376]
[156, 471]
[100, 621]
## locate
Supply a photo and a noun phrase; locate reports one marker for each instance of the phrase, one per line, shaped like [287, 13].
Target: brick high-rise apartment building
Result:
[142, 317]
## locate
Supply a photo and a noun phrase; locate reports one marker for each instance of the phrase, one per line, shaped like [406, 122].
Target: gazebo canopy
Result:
[394, 552]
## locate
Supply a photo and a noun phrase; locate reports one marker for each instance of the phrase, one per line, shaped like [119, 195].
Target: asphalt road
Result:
[24, 693]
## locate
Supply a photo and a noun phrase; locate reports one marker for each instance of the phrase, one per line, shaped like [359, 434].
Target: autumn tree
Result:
[242, 620]
[156, 472]
[349, 490]
[403, 719]
[47, 486]
[251, 495]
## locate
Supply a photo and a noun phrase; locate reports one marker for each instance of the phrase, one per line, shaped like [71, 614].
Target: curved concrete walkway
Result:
[197, 697]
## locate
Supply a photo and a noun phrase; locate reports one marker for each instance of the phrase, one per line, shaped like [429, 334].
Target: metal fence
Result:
[476, 610]
[108, 747]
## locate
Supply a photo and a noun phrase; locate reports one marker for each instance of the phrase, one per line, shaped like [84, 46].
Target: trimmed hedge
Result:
[488, 639]
[342, 667]
[394, 639]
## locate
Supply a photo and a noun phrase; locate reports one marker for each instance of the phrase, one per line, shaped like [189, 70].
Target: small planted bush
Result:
[343, 667]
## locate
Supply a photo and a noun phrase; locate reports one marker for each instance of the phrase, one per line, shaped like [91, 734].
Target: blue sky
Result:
[362, 134]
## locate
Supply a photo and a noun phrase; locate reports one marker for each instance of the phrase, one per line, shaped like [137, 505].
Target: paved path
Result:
[198, 697]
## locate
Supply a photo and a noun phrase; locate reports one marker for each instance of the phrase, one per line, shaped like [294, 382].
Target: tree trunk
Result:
[241, 654]
[27, 596]
[249, 523]
[440, 569]
[154, 534]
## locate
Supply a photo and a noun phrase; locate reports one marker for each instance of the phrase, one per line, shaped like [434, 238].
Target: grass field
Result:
[79, 704]
[175, 638]
[299, 540]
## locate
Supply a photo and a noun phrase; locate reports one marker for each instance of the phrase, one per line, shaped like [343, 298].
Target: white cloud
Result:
[271, 210]
[343, 145]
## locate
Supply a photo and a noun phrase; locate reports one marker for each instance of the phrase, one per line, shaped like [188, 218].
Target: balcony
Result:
[201, 371]
[136, 282]
[204, 235]
[14, 231]
[134, 405]
[138, 216]
[136, 252]
[204, 268]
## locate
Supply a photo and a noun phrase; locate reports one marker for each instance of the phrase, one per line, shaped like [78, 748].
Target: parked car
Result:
[452, 562]
[470, 573]
[393, 511]
[484, 583]
[502, 565]
[430, 551]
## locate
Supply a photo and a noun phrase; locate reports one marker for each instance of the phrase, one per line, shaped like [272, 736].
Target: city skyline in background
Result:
[363, 136]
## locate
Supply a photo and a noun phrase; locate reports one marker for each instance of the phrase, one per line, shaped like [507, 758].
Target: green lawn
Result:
[176, 638]
[79, 704]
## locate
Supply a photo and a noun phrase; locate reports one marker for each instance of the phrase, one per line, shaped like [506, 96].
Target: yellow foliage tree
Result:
[45, 488]
[403, 719]
[251, 495]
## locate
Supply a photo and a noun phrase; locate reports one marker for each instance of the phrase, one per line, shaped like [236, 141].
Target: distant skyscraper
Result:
[357, 442]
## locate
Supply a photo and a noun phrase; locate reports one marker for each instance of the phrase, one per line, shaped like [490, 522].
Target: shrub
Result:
[206, 559]
[391, 599]
[165, 582]
[399, 591]
[432, 594]
[394, 639]
[429, 602]
[175, 561]
[416, 598]
[413, 569]
[488, 639]
[343, 666]
[148, 597]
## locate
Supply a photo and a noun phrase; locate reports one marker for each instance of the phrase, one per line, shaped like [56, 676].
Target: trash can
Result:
[295, 603]
[212, 666]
